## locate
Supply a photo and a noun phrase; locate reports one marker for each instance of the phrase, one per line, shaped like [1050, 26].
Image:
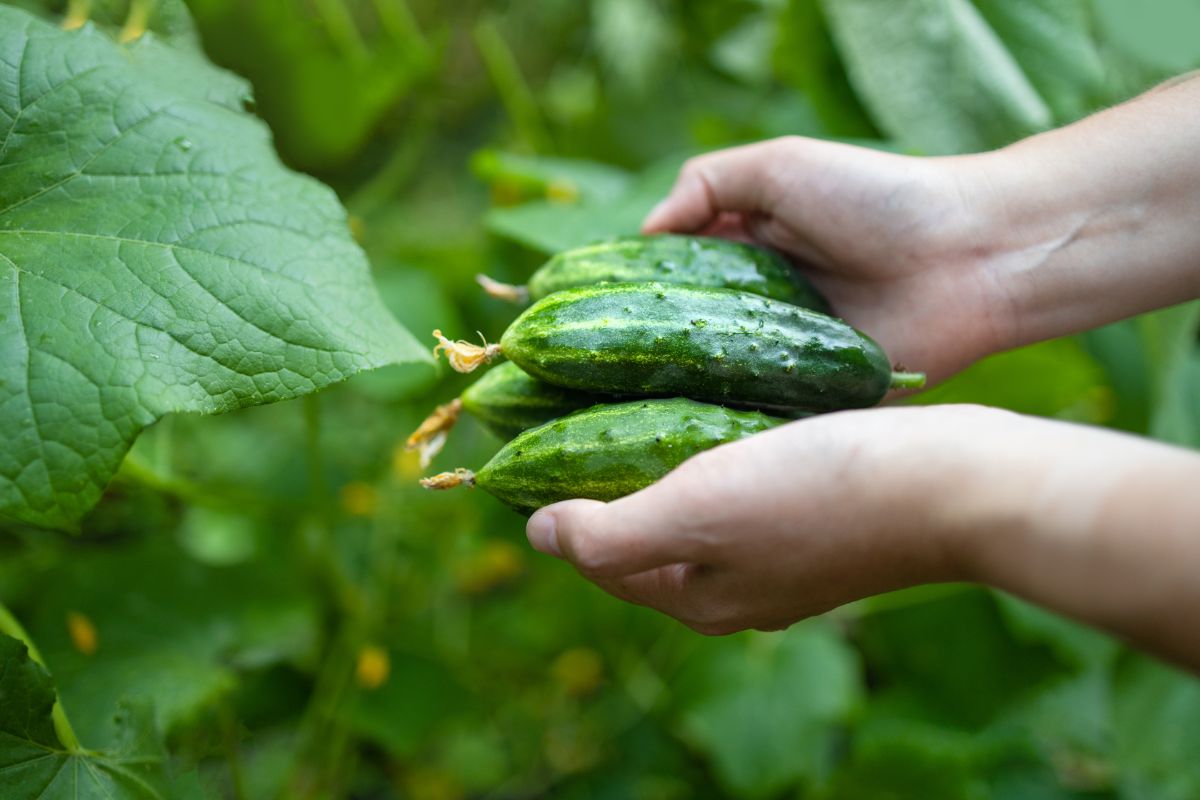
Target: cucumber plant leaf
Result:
[1052, 42]
[766, 709]
[934, 75]
[34, 762]
[155, 257]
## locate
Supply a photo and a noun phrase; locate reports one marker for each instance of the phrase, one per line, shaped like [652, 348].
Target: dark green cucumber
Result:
[671, 258]
[507, 400]
[609, 451]
[719, 345]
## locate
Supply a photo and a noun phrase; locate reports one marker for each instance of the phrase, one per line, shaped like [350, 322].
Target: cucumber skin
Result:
[719, 345]
[507, 400]
[671, 258]
[610, 450]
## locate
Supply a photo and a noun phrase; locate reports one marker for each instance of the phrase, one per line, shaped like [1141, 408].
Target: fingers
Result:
[741, 179]
[606, 540]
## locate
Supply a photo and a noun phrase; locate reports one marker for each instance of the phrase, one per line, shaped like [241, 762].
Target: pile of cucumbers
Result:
[640, 352]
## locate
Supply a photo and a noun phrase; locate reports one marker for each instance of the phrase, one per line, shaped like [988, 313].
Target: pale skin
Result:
[943, 261]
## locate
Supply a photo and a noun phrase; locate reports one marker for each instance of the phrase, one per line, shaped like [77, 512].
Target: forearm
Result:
[1099, 526]
[1096, 221]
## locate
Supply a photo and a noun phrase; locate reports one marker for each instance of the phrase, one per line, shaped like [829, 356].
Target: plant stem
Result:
[62, 726]
[78, 12]
[137, 21]
[514, 92]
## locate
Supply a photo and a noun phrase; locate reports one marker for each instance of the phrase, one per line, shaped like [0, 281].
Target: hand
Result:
[946, 260]
[798, 520]
[780, 526]
[894, 242]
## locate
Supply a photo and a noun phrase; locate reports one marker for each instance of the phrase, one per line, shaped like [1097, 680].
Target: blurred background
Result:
[307, 623]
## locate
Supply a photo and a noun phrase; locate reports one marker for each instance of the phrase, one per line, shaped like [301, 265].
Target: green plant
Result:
[286, 614]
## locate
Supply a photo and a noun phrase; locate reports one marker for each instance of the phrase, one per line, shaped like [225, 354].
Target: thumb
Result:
[740, 179]
[624, 537]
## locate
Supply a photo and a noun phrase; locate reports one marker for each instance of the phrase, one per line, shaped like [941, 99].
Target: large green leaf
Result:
[1157, 727]
[155, 257]
[955, 656]
[934, 75]
[34, 764]
[766, 708]
[1053, 43]
[805, 57]
[1054, 378]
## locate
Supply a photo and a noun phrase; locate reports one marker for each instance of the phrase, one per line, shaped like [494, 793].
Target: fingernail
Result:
[542, 534]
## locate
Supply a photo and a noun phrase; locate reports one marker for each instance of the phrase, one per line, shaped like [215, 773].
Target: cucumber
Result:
[719, 345]
[604, 452]
[507, 400]
[668, 258]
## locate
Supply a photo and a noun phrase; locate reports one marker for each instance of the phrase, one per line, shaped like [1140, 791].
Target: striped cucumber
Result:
[507, 400]
[667, 258]
[719, 345]
[604, 452]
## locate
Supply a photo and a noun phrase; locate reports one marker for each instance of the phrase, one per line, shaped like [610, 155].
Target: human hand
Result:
[780, 526]
[946, 260]
[893, 241]
[800, 519]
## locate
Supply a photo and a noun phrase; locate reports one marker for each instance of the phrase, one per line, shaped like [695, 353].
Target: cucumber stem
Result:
[908, 380]
[502, 291]
[450, 480]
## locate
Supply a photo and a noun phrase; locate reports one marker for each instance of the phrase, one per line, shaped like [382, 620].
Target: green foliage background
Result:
[296, 619]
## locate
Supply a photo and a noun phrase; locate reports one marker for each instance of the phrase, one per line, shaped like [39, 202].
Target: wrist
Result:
[1092, 223]
[978, 481]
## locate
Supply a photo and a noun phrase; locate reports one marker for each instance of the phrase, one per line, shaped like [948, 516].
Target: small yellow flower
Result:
[497, 563]
[373, 667]
[579, 671]
[359, 499]
[82, 633]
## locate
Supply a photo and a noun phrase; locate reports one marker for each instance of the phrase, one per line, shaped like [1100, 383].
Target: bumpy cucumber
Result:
[604, 452]
[670, 258]
[709, 344]
[507, 400]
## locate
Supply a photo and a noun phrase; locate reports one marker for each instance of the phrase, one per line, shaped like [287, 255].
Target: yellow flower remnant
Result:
[430, 437]
[462, 355]
[450, 480]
